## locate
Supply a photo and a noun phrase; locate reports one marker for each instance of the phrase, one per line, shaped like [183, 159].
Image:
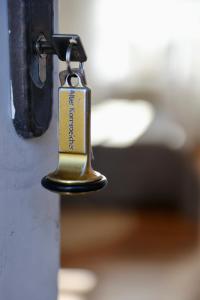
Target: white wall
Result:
[29, 215]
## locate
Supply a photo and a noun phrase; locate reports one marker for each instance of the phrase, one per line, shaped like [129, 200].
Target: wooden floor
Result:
[133, 255]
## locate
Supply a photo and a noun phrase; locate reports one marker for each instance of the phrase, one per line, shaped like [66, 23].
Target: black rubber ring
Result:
[79, 188]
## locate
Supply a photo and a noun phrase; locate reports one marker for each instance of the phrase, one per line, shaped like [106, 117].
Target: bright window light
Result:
[129, 30]
[70, 297]
[119, 123]
[76, 282]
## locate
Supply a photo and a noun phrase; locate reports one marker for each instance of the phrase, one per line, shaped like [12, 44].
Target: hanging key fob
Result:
[74, 173]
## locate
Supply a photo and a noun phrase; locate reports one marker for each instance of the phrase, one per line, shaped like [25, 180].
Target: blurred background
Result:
[139, 237]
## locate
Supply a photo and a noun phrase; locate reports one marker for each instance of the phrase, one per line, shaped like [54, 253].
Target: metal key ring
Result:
[68, 58]
[74, 72]
[70, 76]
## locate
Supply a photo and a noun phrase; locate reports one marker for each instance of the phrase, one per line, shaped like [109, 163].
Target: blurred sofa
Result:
[144, 176]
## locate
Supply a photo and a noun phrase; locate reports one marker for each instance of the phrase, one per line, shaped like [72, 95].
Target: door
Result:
[29, 215]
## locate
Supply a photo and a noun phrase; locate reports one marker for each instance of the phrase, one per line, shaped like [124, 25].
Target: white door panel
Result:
[29, 215]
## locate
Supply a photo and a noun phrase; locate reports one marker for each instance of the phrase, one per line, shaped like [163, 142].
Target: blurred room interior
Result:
[138, 238]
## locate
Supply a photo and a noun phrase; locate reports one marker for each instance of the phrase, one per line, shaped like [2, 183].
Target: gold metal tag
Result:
[72, 119]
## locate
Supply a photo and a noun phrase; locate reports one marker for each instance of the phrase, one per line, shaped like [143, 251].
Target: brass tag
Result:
[72, 120]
